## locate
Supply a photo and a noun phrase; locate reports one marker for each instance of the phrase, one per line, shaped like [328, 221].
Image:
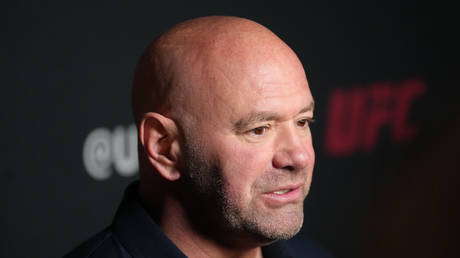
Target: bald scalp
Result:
[177, 65]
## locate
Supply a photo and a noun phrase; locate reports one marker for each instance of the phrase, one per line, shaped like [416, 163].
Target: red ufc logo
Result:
[356, 116]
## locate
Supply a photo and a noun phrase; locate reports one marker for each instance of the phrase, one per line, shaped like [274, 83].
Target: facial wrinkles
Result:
[225, 68]
[224, 83]
[257, 92]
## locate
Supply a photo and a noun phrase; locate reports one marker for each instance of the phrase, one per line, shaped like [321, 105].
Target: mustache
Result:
[273, 179]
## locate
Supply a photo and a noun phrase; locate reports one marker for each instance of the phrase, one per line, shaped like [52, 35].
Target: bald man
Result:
[223, 109]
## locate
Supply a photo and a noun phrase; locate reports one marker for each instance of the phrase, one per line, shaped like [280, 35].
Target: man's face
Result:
[248, 142]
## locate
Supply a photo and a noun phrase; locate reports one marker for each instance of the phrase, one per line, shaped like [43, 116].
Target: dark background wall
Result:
[386, 137]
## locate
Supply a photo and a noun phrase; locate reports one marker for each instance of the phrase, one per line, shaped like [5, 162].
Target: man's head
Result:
[223, 109]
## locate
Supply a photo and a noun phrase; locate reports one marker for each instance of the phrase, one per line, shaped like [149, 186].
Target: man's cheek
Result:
[248, 162]
[245, 167]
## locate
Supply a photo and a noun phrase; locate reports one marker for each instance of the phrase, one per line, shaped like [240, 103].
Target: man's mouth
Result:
[285, 189]
[282, 191]
[277, 198]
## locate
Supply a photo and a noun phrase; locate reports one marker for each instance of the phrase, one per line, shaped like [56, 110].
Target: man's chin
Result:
[281, 232]
[268, 228]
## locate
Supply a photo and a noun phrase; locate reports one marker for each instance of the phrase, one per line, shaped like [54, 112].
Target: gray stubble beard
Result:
[206, 179]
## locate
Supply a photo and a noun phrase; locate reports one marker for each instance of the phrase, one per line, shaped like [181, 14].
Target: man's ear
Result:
[159, 137]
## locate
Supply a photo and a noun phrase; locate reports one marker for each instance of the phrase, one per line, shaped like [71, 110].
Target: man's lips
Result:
[283, 195]
[284, 189]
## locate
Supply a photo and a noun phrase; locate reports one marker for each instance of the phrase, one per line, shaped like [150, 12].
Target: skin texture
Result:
[223, 109]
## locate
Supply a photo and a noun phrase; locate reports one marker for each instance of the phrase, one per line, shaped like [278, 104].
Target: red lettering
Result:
[378, 113]
[355, 117]
[343, 121]
[408, 91]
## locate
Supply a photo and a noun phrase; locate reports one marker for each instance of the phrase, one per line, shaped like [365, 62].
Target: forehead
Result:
[247, 86]
[242, 67]
[228, 81]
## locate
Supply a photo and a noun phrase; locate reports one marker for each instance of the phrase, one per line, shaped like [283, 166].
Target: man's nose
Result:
[293, 150]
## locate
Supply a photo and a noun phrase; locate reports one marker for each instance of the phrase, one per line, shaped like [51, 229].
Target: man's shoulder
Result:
[103, 244]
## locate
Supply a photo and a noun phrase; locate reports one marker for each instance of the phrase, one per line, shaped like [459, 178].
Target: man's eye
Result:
[305, 122]
[259, 131]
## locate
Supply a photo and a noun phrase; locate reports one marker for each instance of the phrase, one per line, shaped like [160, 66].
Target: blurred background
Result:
[387, 133]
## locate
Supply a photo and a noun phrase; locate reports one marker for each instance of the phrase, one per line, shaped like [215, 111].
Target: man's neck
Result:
[176, 225]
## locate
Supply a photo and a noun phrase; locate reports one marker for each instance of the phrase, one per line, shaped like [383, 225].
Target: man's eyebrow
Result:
[309, 107]
[253, 118]
[257, 117]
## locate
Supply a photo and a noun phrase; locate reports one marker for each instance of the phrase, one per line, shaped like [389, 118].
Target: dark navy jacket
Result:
[133, 233]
